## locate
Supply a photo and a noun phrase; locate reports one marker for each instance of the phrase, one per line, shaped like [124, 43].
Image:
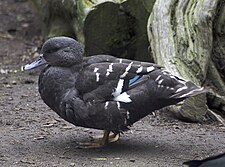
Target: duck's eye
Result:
[52, 50]
[66, 50]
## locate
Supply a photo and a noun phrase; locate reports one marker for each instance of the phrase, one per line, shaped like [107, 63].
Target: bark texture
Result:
[116, 27]
[57, 16]
[184, 36]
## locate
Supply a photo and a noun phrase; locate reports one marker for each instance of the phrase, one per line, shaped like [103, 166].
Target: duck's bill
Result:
[38, 62]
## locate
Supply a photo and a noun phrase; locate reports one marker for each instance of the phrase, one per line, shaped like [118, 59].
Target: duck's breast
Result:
[54, 83]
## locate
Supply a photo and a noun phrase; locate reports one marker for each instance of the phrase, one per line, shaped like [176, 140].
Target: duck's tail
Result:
[187, 90]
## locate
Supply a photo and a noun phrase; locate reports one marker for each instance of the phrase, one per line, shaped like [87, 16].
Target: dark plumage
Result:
[102, 91]
[213, 161]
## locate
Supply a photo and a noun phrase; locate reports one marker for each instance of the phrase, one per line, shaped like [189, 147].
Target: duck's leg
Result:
[101, 142]
[114, 137]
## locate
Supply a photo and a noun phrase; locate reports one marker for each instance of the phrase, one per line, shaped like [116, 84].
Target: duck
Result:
[102, 91]
[212, 161]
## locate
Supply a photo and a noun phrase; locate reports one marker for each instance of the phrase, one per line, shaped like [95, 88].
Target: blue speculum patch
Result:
[133, 80]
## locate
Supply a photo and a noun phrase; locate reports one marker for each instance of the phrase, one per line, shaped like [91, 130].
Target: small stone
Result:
[72, 164]
[14, 82]
[36, 54]
[2, 71]
[25, 25]
[8, 86]
[39, 138]
[10, 99]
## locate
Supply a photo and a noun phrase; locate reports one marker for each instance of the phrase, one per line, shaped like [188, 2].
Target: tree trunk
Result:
[116, 27]
[181, 34]
[57, 16]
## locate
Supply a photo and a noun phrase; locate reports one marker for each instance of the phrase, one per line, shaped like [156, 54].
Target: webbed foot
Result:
[100, 142]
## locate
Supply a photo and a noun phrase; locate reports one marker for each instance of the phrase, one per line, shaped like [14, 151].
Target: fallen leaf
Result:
[117, 158]
[67, 127]
[100, 159]
[48, 125]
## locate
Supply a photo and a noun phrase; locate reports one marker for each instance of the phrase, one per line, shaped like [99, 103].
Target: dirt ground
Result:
[33, 135]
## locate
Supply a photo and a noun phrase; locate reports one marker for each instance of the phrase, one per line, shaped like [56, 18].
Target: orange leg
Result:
[101, 142]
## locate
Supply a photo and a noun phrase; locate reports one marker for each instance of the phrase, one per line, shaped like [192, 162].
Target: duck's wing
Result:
[107, 80]
[111, 80]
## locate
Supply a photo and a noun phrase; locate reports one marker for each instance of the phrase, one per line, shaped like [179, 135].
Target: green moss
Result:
[59, 28]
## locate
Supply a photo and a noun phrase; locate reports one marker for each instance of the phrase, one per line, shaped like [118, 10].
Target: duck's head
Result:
[58, 51]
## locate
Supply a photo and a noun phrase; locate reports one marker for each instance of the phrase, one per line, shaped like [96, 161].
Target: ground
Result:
[33, 135]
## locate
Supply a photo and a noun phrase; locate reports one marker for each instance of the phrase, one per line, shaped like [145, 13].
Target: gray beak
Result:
[38, 62]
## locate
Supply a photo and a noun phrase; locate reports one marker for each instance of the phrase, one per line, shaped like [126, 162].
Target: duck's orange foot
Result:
[100, 142]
